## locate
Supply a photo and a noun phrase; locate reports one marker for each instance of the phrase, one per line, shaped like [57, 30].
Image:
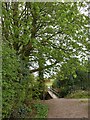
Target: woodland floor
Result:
[67, 108]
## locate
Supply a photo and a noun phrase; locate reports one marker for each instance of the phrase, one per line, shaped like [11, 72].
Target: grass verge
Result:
[78, 94]
[41, 110]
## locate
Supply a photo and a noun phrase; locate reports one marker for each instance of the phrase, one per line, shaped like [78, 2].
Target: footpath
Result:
[67, 108]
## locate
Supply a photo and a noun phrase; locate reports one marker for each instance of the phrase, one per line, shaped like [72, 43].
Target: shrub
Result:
[10, 79]
[42, 110]
[78, 94]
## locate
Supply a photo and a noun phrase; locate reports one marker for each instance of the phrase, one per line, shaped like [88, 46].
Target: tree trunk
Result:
[41, 75]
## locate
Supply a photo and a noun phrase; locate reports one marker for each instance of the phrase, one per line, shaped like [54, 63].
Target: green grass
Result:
[33, 109]
[41, 110]
[78, 94]
[48, 84]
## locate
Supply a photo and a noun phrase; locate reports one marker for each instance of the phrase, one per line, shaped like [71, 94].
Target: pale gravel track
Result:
[67, 108]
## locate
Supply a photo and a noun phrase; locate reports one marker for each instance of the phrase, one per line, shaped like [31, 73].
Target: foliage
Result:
[82, 80]
[71, 77]
[42, 110]
[17, 84]
[33, 109]
[57, 31]
[10, 79]
[56, 83]
[38, 37]
[78, 94]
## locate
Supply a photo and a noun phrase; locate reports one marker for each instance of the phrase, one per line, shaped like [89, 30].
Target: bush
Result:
[17, 82]
[78, 94]
[34, 109]
[42, 110]
[10, 79]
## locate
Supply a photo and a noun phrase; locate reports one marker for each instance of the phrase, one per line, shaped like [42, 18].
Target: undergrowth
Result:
[78, 94]
[41, 110]
[31, 110]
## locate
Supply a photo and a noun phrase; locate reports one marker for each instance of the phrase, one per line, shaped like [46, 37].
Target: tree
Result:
[72, 76]
[41, 32]
[38, 37]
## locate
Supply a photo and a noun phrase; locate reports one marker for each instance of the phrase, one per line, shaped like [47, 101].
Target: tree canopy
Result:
[44, 32]
[40, 37]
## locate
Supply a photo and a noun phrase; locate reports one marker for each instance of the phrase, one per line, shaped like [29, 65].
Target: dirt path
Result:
[67, 108]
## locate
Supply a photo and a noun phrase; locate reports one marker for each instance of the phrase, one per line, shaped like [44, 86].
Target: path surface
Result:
[67, 108]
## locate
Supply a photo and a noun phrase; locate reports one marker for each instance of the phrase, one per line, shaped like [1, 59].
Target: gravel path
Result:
[67, 108]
